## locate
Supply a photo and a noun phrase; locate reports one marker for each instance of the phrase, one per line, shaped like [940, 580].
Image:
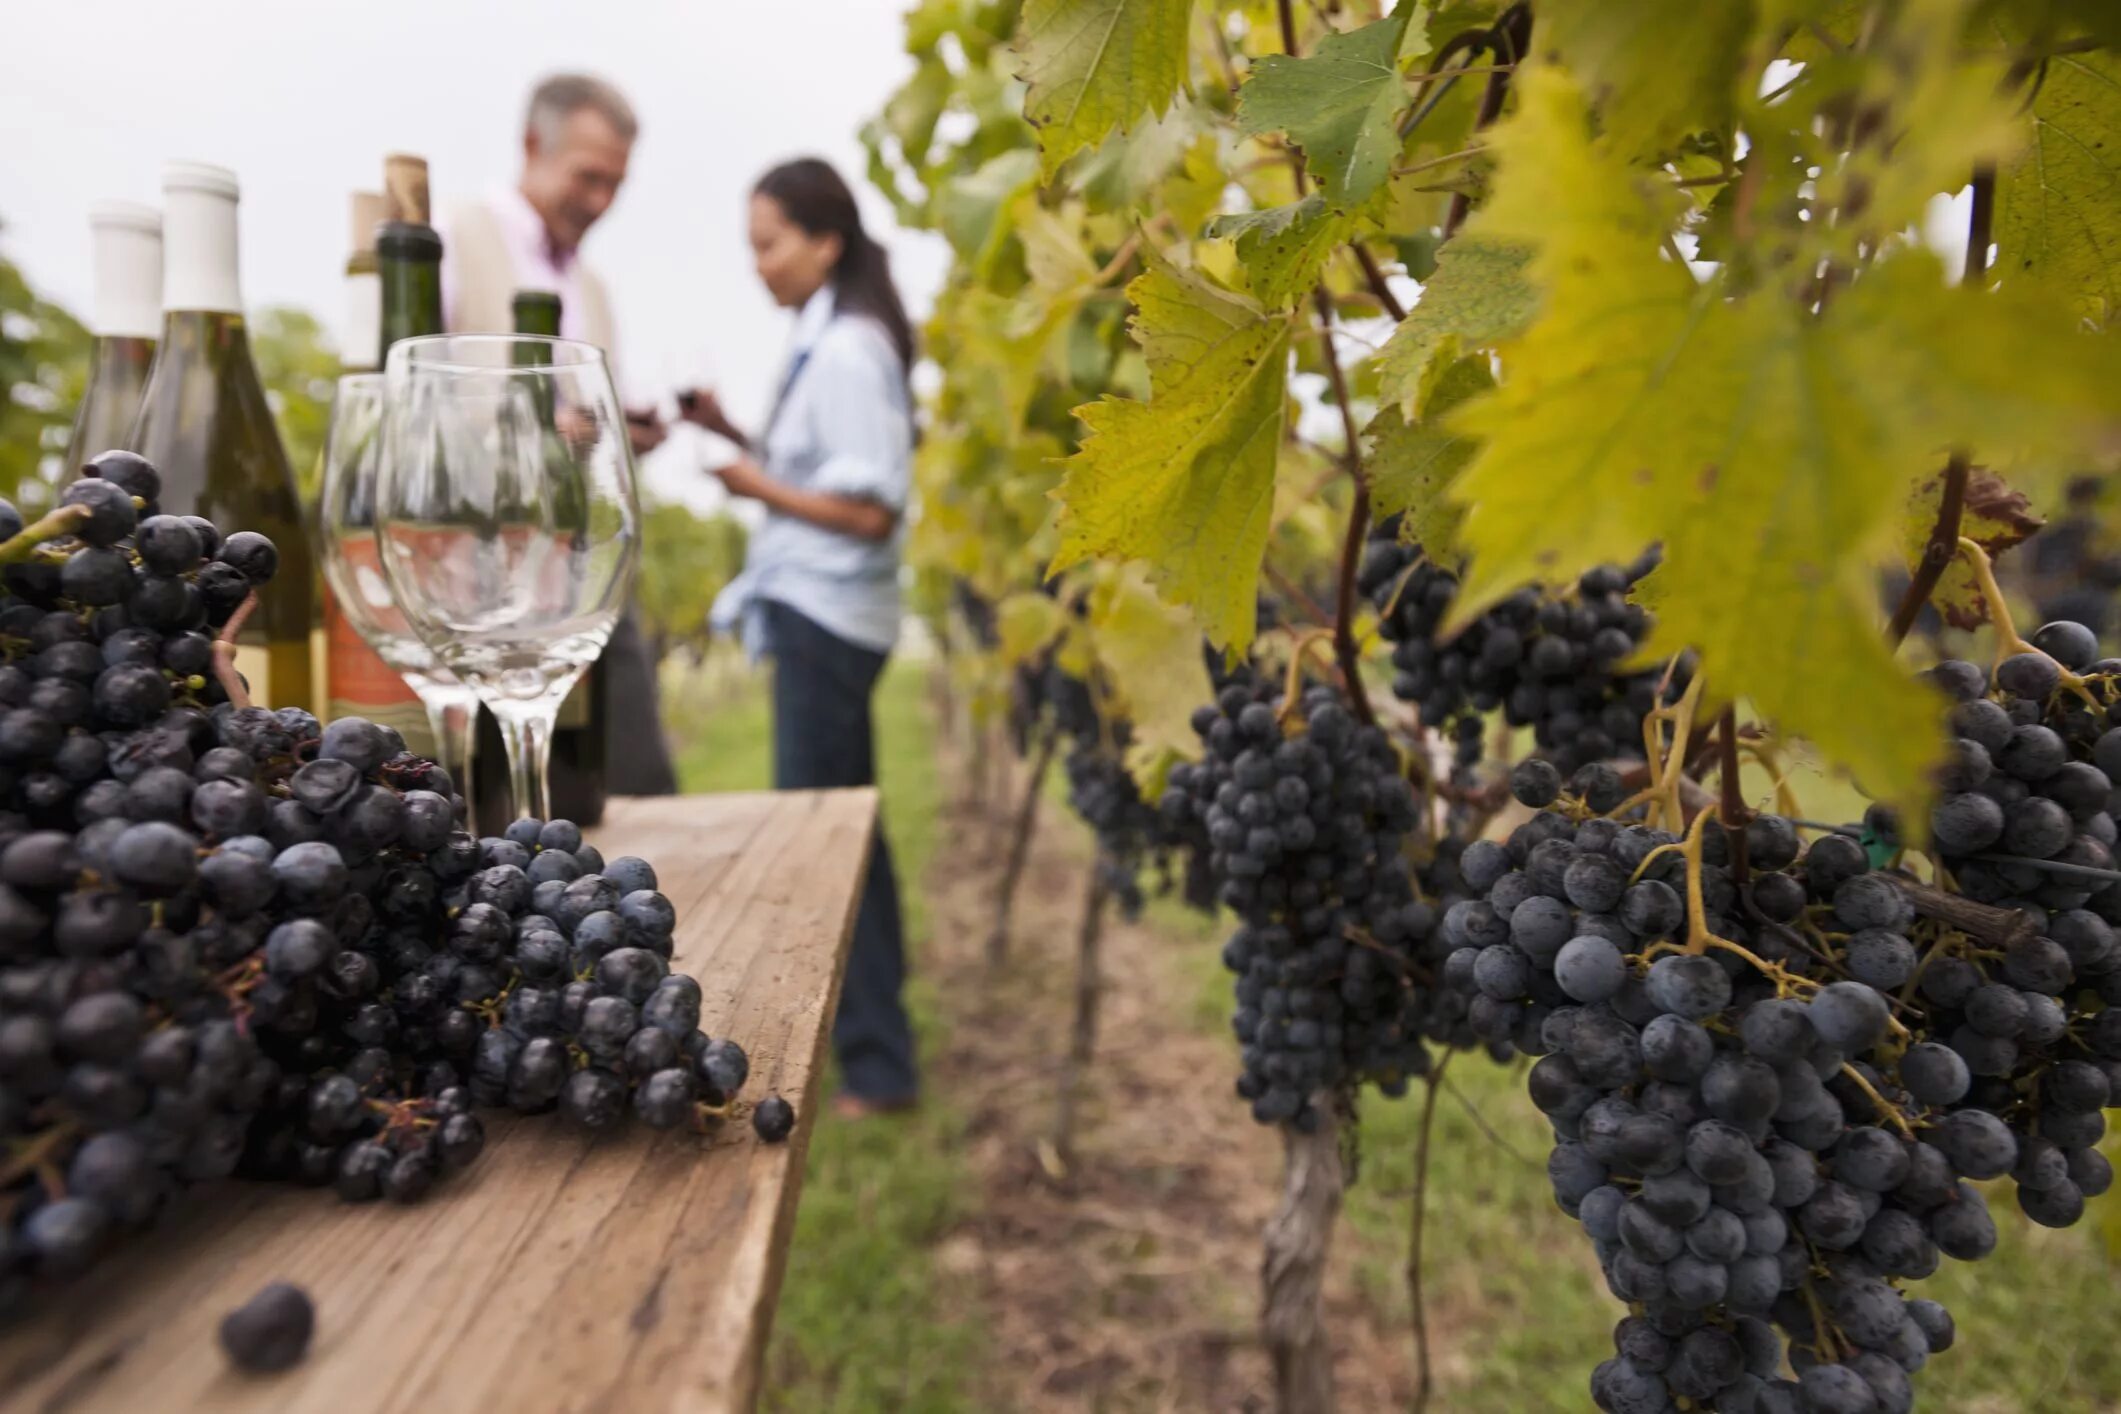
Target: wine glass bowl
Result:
[507, 522]
[345, 525]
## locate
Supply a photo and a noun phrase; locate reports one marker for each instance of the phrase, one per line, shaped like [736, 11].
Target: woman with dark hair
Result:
[819, 592]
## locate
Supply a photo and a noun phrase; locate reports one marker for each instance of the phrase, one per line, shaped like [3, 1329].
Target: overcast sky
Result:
[303, 100]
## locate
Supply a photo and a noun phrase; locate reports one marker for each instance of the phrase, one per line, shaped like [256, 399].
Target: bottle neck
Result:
[409, 260]
[539, 322]
[199, 252]
[119, 355]
[212, 337]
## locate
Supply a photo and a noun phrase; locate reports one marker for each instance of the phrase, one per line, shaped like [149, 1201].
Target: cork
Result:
[367, 210]
[405, 188]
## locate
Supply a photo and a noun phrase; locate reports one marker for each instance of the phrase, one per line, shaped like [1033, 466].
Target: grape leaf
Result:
[1770, 449]
[912, 112]
[1185, 480]
[1478, 295]
[1411, 463]
[1995, 516]
[1096, 65]
[1284, 248]
[1027, 621]
[1153, 655]
[1338, 104]
[1658, 70]
[1936, 110]
[2058, 207]
[970, 209]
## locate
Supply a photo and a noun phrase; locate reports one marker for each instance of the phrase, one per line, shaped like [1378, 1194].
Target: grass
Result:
[862, 1327]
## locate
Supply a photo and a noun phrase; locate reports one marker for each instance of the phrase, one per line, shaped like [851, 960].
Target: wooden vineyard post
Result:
[1019, 847]
[1082, 1035]
[1292, 1274]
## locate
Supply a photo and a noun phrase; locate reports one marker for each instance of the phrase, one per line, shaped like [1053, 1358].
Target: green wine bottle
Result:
[126, 240]
[206, 426]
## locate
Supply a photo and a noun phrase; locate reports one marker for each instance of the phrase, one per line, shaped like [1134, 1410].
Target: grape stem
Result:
[2008, 643]
[1374, 277]
[1907, 1131]
[1358, 516]
[62, 521]
[2054, 866]
[1732, 811]
[1943, 540]
[1292, 682]
[225, 651]
[1786, 802]
[1506, 41]
[35, 1155]
[1937, 553]
[1663, 793]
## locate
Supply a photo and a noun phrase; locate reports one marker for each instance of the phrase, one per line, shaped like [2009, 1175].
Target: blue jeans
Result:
[823, 737]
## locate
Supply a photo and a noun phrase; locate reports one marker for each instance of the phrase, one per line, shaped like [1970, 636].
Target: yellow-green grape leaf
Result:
[1152, 653]
[1126, 168]
[1410, 464]
[1934, 111]
[912, 112]
[1185, 481]
[1339, 104]
[2058, 206]
[1027, 621]
[970, 209]
[1658, 70]
[1769, 449]
[1054, 253]
[1093, 66]
[1479, 295]
[1994, 515]
[1283, 248]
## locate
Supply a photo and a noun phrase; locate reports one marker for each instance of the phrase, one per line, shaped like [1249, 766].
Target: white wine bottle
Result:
[206, 426]
[126, 240]
[406, 256]
[364, 286]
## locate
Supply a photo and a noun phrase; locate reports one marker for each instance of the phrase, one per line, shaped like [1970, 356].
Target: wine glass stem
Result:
[451, 716]
[527, 732]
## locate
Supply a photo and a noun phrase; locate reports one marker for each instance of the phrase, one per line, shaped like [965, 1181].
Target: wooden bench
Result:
[636, 1272]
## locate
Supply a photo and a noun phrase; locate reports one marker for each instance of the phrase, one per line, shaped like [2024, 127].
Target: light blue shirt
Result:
[843, 425]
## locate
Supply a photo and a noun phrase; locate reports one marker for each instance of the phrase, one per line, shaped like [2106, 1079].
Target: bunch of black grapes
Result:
[1762, 1157]
[1131, 833]
[1550, 662]
[1305, 813]
[234, 941]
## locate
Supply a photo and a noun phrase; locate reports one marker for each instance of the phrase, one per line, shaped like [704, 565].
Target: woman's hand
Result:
[701, 407]
[743, 477]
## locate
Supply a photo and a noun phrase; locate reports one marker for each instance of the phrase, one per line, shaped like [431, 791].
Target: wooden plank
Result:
[633, 1272]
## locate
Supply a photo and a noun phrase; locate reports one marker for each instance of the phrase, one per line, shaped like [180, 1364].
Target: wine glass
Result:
[361, 598]
[508, 522]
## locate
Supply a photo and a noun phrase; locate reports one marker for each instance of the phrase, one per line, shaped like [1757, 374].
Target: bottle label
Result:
[361, 683]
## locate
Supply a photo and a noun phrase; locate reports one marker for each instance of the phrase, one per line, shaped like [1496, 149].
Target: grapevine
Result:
[1547, 436]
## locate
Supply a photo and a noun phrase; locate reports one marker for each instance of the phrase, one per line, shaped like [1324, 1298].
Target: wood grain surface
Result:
[634, 1272]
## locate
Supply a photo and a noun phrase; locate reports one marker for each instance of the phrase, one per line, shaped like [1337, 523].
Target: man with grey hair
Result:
[577, 137]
